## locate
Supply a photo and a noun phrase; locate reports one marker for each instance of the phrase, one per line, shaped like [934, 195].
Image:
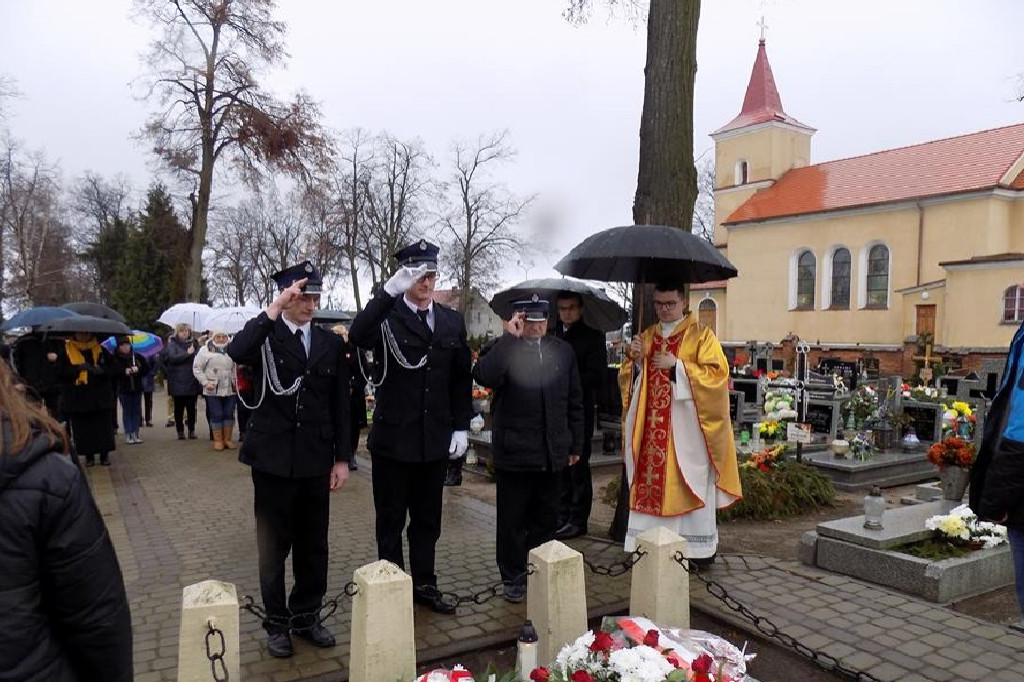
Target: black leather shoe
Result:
[317, 635]
[707, 562]
[453, 481]
[514, 594]
[570, 531]
[352, 466]
[279, 645]
[427, 595]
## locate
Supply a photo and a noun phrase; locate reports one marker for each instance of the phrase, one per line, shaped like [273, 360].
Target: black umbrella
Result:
[95, 310]
[599, 311]
[332, 316]
[85, 323]
[32, 317]
[646, 253]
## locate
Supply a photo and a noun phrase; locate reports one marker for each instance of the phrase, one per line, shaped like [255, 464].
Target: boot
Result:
[228, 444]
[192, 433]
[105, 459]
[181, 434]
[90, 460]
[453, 477]
[218, 439]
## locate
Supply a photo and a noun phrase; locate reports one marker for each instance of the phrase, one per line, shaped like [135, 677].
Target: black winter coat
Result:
[124, 382]
[591, 361]
[304, 434]
[416, 410]
[96, 395]
[63, 610]
[177, 363]
[29, 357]
[997, 477]
[538, 403]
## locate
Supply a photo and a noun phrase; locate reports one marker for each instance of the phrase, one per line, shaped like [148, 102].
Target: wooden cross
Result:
[927, 359]
[763, 27]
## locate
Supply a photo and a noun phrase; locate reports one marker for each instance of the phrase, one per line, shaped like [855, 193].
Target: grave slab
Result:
[900, 526]
[884, 469]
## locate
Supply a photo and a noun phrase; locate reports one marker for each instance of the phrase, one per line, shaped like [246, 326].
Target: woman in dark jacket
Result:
[129, 370]
[178, 356]
[87, 397]
[63, 611]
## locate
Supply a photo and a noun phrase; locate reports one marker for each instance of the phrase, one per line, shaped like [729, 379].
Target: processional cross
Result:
[927, 359]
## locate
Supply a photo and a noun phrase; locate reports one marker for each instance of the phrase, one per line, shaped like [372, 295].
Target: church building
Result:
[885, 255]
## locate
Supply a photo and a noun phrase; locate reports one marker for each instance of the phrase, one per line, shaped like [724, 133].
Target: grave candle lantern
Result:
[874, 508]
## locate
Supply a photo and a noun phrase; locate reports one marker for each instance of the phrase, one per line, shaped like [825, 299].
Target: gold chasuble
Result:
[659, 486]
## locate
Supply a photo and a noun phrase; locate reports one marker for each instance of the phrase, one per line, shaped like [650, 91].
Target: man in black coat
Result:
[421, 415]
[591, 360]
[537, 434]
[298, 447]
[35, 360]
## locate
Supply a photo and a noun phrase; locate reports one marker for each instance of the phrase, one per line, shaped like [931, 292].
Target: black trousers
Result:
[147, 403]
[577, 484]
[527, 517]
[185, 412]
[413, 489]
[292, 515]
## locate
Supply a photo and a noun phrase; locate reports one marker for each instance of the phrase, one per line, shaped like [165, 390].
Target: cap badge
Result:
[309, 268]
[423, 245]
[535, 298]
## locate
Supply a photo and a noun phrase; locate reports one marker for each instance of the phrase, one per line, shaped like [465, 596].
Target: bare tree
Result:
[204, 65]
[8, 91]
[29, 215]
[704, 208]
[98, 202]
[480, 226]
[397, 192]
[579, 12]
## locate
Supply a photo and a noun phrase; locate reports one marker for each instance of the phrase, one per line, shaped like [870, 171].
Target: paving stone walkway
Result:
[179, 513]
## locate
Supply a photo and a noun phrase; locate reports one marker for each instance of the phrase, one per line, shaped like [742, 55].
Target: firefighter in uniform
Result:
[298, 447]
[423, 404]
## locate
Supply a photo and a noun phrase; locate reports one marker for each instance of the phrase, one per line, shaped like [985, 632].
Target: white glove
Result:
[404, 278]
[460, 443]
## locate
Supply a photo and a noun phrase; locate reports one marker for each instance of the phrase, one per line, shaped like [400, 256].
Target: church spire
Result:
[762, 102]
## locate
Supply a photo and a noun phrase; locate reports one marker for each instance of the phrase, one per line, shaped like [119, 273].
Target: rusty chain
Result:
[617, 568]
[217, 665]
[481, 596]
[769, 629]
[300, 622]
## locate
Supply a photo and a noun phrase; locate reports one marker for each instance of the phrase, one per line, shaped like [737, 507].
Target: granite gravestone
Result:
[925, 418]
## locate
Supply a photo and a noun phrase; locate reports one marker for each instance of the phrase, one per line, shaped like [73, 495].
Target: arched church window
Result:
[840, 290]
[805, 274]
[1013, 304]
[877, 288]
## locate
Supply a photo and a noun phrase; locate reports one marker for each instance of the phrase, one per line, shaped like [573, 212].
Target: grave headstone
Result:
[824, 416]
[750, 388]
[870, 366]
[925, 418]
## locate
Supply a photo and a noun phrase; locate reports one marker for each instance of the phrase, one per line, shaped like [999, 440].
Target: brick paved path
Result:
[180, 513]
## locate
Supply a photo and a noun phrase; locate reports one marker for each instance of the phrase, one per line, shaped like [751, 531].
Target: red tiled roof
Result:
[991, 258]
[762, 102]
[720, 284]
[448, 297]
[957, 164]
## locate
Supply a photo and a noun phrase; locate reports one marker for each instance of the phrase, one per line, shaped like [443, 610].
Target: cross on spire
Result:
[763, 26]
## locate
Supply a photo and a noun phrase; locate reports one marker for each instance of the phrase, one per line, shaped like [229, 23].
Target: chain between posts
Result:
[300, 622]
[217, 665]
[617, 568]
[769, 629]
[481, 596]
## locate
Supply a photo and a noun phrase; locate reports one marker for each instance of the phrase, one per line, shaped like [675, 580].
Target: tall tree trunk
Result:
[194, 275]
[666, 184]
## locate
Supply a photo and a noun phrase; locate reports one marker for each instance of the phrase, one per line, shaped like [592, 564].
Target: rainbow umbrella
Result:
[145, 344]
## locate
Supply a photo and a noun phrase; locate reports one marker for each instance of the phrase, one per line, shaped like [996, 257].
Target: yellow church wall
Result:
[759, 299]
[769, 152]
[1015, 242]
[974, 306]
[958, 230]
[725, 203]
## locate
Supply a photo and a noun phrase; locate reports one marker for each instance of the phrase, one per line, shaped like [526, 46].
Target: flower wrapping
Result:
[456, 674]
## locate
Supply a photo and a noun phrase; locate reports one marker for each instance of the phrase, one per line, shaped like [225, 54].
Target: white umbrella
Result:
[230, 320]
[191, 314]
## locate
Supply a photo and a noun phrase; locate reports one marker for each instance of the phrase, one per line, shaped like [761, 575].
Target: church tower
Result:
[757, 147]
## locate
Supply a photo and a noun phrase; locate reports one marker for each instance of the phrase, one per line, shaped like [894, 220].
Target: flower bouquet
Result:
[952, 452]
[961, 526]
[922, 394]
[958, 419]
[629, 649]
[861, 447]
[767, 459]
[456, 674]
[779, 405]
[772, 430]
[862, 404]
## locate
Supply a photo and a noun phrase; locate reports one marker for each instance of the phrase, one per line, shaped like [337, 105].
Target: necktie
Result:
[423, 316]
[298, 337]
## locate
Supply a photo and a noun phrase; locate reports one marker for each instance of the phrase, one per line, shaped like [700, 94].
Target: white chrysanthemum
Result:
[954, 527]
[437, 676]
[575, 654]
[640, 664]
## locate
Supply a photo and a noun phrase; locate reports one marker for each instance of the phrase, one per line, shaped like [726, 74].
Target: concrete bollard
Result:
[660, 589]
[556, 596]
[383, 645]
[215, 603]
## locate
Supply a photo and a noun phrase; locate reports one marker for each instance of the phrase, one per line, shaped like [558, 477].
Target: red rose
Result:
[602, 642]
[702, 664]
[651, 638]
[540, 675]
[581, 676]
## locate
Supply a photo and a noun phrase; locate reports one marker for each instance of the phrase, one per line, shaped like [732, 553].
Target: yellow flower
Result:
[962, 408]
[954, 526]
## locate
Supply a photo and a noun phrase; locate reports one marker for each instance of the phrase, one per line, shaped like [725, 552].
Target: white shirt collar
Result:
[306, 339]
[413, 307]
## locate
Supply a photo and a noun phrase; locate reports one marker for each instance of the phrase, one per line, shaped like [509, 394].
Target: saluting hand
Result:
[286, 296]
[515, 325]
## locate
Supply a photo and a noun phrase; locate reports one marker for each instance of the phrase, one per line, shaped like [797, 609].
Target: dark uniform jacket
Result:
[416, 410]
[63, 610]
[591, 360]
[538, 403]
[997, 477]
[303, 434]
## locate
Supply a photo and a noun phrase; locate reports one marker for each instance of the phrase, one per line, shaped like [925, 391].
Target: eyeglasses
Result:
[665, 305]
[427, 276]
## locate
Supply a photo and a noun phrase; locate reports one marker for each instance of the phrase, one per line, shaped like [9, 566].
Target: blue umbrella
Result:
[32, 317]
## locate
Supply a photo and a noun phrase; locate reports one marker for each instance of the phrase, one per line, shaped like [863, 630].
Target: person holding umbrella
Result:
[85, 372]
[215, 371]
[129, 370]
[677, 376]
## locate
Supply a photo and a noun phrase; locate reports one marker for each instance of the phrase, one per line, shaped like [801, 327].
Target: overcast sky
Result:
[869, 75]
